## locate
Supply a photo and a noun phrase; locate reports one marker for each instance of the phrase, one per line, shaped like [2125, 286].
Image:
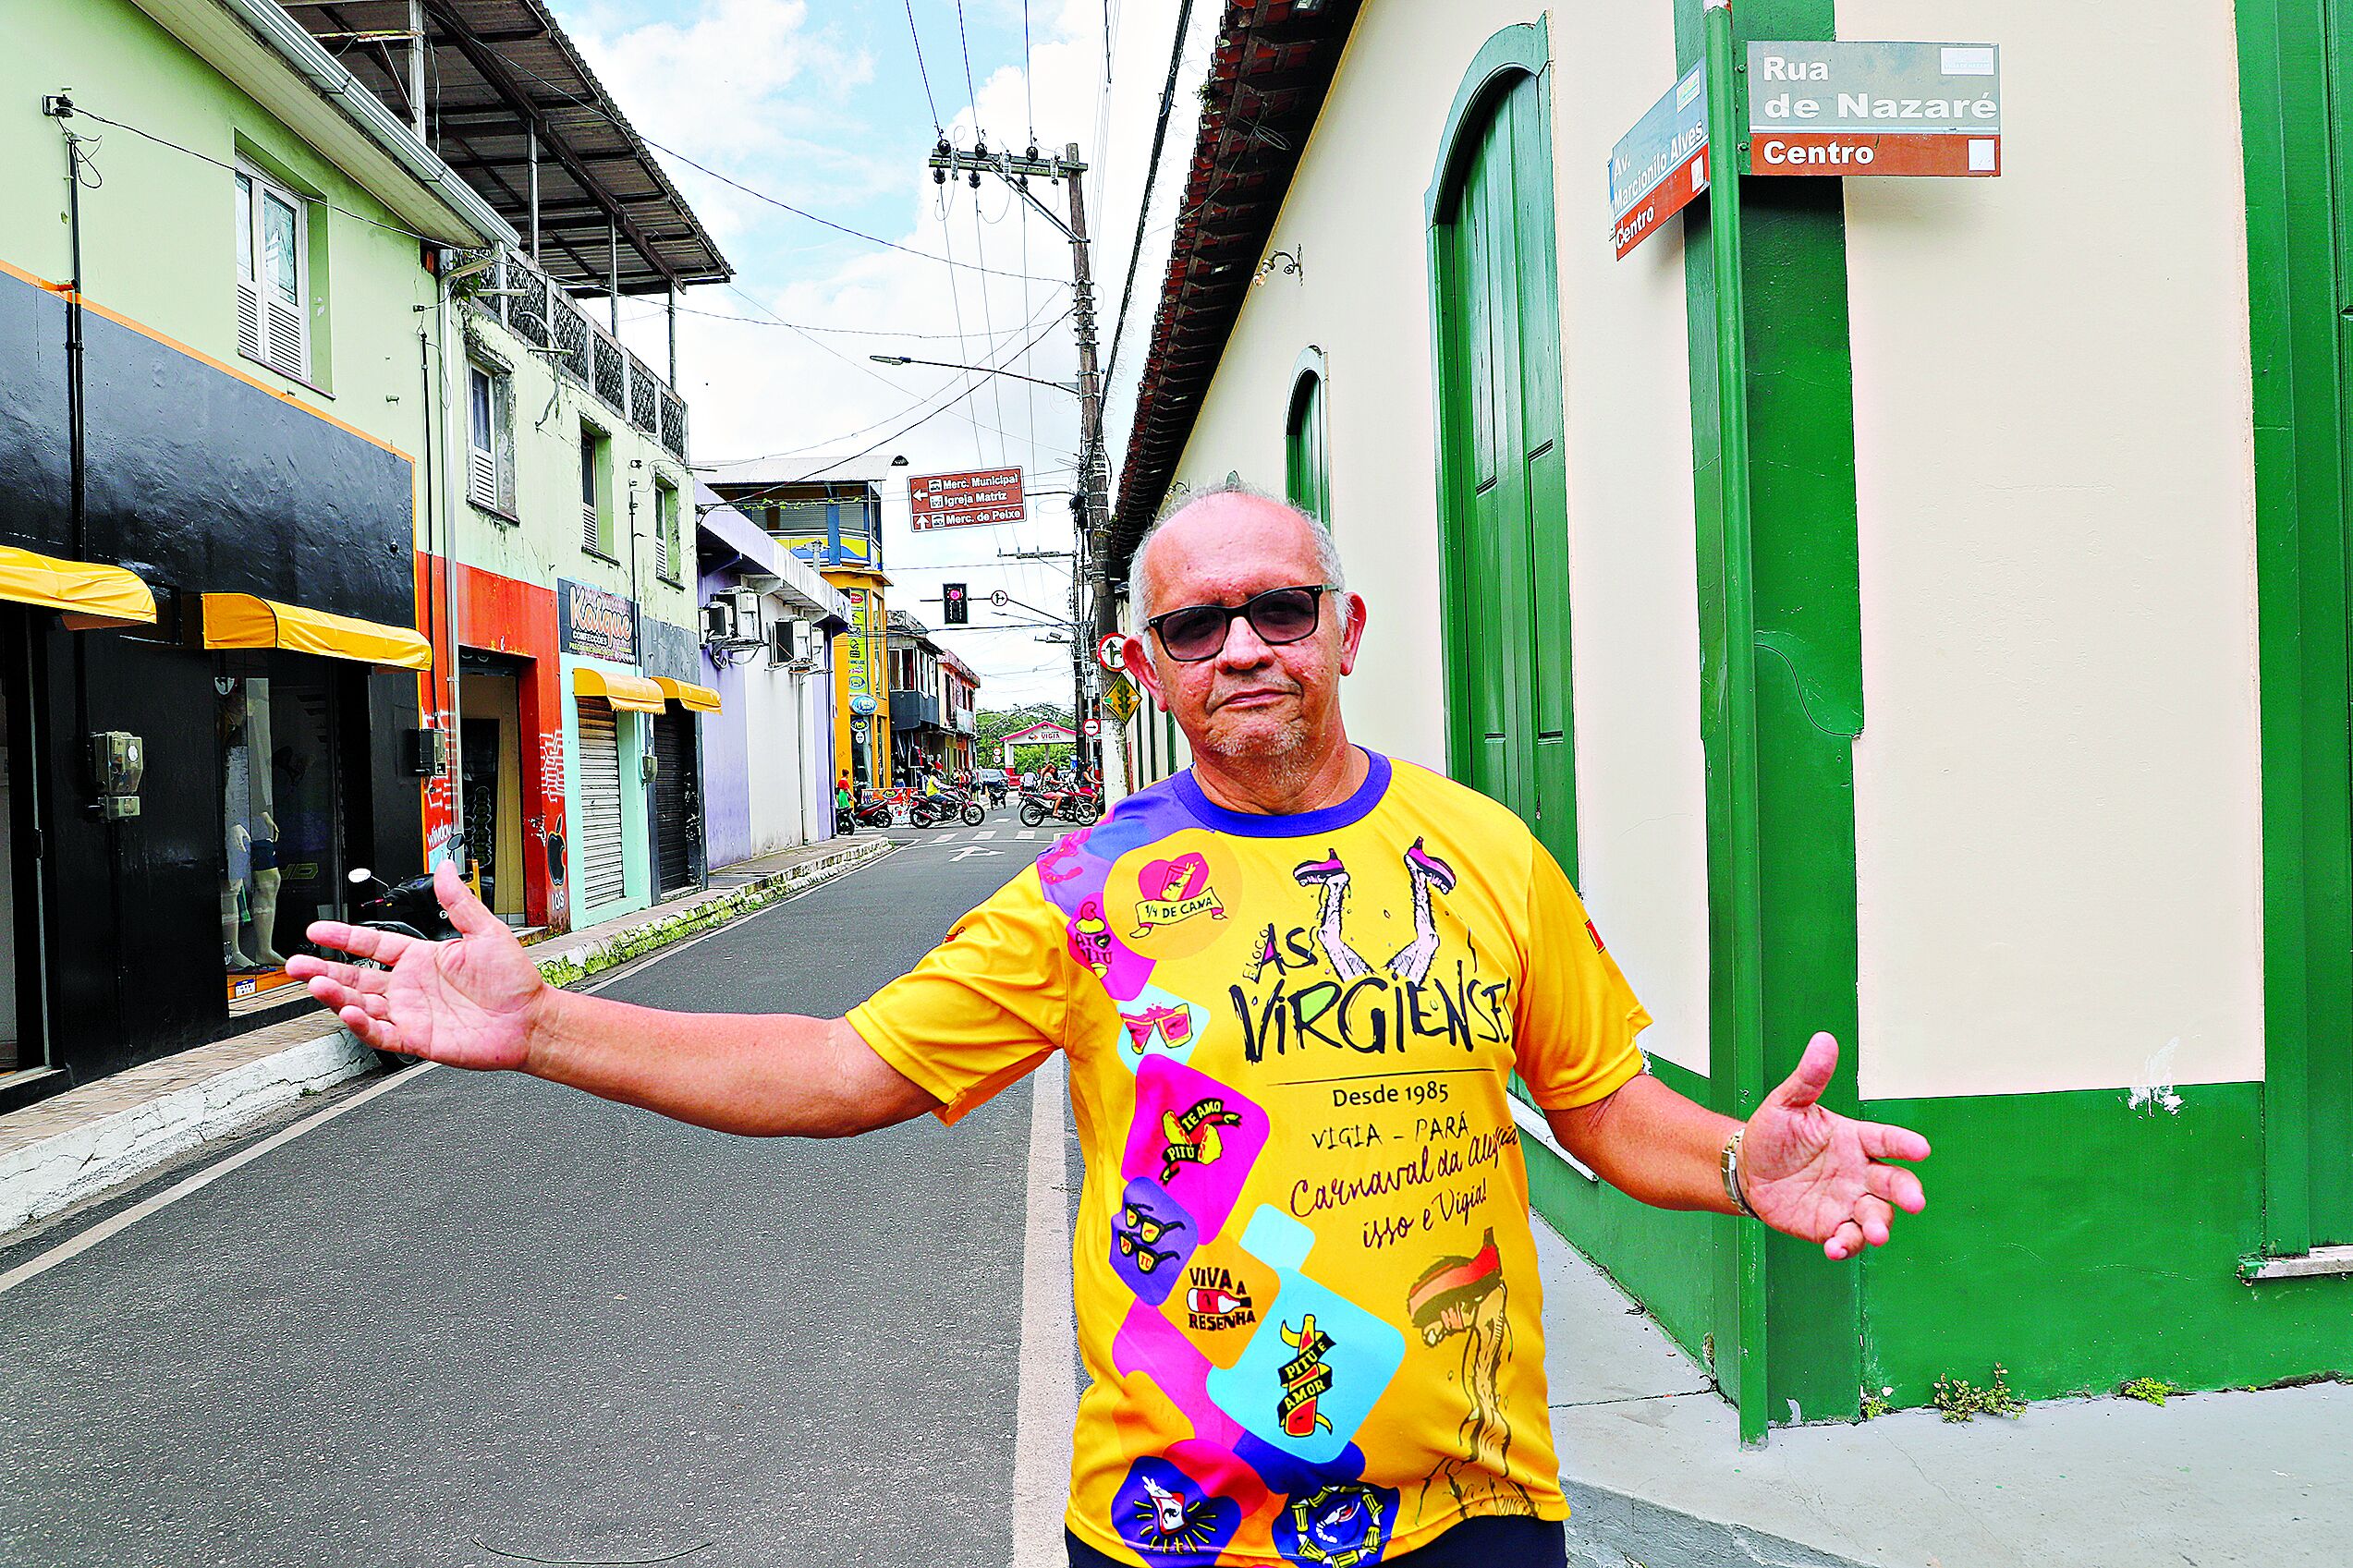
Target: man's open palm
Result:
[466, 1003]
[1817, 1175]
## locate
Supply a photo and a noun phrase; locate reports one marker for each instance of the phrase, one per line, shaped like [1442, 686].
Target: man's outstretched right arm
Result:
[480, 1003]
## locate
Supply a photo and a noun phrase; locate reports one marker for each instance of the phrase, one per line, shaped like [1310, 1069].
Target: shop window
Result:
[273, 275]
[281, 813]
[490, 481]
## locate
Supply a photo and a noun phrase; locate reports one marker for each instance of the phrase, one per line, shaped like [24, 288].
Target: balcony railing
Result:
[535, 309]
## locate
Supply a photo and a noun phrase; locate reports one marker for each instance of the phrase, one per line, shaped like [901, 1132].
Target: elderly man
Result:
[1293, 985]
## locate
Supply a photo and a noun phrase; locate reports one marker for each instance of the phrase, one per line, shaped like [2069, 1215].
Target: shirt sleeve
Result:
[1577, 1018]
[984, 1007]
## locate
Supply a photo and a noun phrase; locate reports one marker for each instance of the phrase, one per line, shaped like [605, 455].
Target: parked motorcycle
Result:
[407, 909]
[947, 806]
[874, 812]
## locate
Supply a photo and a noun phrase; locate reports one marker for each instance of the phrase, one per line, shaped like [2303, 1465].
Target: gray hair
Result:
[1327, 550]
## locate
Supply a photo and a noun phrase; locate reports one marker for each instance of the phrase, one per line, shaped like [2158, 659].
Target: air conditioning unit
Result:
[718, 622]
[785, 644]
[747, 601]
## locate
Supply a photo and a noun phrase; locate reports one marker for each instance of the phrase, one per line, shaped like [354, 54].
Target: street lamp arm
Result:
[1069, 387]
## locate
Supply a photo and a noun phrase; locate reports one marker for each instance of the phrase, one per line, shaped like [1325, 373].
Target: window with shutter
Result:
[482, 457]
[274, 281]
[591, 536]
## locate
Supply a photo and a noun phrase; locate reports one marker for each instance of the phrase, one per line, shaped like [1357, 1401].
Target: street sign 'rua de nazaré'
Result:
[1916, 109]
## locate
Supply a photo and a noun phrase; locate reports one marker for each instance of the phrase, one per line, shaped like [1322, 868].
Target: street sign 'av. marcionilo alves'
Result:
[965, 500]
[1661, 164]
[1875, 109]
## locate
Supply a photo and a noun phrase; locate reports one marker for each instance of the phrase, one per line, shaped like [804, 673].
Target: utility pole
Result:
[1091, 504]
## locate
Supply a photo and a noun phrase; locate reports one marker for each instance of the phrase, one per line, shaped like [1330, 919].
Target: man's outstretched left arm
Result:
[1804, 1170]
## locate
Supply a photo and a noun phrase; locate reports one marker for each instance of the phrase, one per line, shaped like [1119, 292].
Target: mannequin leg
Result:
[265, 911]
[232, 959]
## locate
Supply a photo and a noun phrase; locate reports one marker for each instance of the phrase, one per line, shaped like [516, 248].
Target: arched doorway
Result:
[1502, 482]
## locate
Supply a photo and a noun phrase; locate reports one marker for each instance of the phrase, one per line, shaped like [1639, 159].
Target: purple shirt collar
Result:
[1297, 824]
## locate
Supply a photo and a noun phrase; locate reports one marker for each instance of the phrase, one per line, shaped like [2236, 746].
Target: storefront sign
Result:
[1661, 163]
[966, 499]
[596, 623]
[1875, 109]
[863, 662]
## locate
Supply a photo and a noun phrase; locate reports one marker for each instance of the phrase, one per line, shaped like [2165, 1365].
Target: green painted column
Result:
[1781, 685]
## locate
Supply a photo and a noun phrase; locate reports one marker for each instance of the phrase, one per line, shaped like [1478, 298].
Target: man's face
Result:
[1251, 699]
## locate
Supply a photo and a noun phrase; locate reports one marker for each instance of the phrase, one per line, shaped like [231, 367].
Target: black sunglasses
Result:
[1279, 615]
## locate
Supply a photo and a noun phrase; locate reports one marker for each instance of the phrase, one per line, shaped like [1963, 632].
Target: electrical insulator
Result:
[939, 176]
[1033, 152]
[976, 179]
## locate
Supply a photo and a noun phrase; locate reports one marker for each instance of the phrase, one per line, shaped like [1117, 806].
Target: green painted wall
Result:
[159, 235]
[542, 542]
[2081, 1243]
[1664, 1260]
[1779, 752]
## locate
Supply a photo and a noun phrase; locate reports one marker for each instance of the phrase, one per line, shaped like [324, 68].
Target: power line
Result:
[965, 39]
[1028, 87]
[920, 67]
[733, 183]
[1152, 177]
[850, 435]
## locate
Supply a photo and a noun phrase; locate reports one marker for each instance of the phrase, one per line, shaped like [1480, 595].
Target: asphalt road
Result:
[479, 1320]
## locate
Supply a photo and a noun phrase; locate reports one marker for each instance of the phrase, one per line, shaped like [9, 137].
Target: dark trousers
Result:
[1474, 1543]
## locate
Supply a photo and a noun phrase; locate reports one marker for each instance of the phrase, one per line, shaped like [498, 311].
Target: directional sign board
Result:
[1092, 727]
[1119, 699]
[999, 598]
[966, 499]
[1107, 652]
[1661, 163]
[1875, 109]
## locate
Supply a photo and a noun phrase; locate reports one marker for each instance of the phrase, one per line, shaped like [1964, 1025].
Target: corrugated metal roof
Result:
[1267, 80]
[496, 72]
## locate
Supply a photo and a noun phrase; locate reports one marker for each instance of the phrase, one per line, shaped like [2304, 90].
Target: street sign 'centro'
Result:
[1875, 109]
[966, 499]
[1661, 163]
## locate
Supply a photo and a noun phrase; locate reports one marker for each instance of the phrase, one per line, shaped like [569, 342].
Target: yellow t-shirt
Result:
[1306, 1291]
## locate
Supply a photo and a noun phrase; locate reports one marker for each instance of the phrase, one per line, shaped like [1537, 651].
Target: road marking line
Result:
[1047, 1408]
[204, 1178]
[1026, 832]
[82, 1241]
[986, 832]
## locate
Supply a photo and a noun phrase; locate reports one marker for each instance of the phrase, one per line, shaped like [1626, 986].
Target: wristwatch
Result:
[1728, 1166]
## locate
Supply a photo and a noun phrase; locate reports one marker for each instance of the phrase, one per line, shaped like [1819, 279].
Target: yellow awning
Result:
[90, 595]
[241, 620]
[686, 694]
[632, 694]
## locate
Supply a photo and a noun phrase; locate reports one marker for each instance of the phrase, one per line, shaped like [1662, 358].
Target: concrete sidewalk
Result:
[1656, 1477]
[77, 1144]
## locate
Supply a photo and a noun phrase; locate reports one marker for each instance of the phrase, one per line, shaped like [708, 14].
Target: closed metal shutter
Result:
[601, 880]
[674, 797]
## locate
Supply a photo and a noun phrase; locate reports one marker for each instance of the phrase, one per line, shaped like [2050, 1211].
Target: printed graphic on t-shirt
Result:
[1305, 1196]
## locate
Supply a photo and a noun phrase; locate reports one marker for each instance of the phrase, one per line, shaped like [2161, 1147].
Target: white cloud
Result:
[768, 92]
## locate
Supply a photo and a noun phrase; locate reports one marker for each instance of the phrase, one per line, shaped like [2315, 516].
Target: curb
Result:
[1609, 1529]
[69, 1167]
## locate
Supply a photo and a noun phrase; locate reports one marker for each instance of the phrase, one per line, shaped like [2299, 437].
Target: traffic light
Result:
[955, 609]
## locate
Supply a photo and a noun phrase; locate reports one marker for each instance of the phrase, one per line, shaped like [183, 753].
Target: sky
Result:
[824, 106]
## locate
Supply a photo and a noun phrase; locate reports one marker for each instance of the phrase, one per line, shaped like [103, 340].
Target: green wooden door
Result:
[1307, 480]
[2330, 1061]
[1502, 485]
